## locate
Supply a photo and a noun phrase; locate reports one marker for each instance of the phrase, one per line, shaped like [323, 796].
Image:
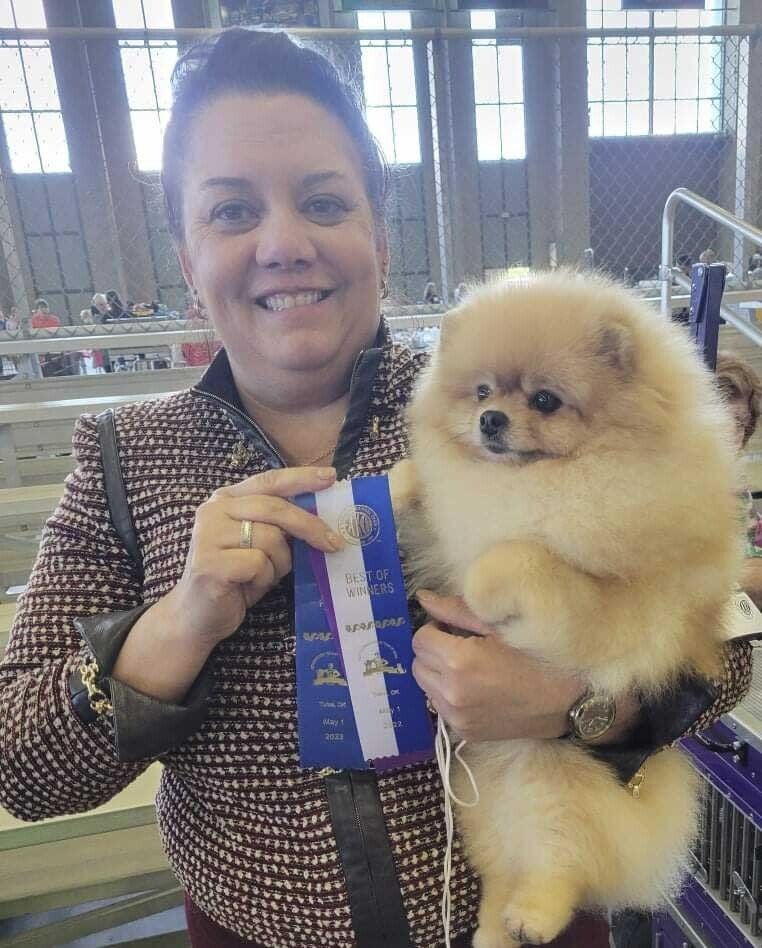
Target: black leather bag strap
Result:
[116, 493]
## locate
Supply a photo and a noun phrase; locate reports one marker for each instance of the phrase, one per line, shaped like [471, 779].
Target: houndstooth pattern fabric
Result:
[246, 831]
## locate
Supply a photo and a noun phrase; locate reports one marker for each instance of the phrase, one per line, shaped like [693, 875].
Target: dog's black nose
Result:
[492, 423]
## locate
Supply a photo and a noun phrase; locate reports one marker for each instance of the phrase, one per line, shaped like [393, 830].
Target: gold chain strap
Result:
[636, 781]
[98, 699]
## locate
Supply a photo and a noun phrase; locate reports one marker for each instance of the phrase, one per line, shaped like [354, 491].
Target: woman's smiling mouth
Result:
[280, 301]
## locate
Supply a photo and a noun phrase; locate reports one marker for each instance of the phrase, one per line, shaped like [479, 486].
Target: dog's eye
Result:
[482, 392]
[546, 402]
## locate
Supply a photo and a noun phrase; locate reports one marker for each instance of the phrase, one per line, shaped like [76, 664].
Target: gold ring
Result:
[245, 540]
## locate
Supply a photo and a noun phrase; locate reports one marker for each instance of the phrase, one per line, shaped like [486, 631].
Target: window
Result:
[31, 110]
[147, 67]
[389, 82]
[498, 94]
[665, 85]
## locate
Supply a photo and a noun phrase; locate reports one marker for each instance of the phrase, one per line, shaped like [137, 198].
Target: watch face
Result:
[594, 717]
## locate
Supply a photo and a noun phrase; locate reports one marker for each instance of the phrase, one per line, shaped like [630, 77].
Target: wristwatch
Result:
[591, 716]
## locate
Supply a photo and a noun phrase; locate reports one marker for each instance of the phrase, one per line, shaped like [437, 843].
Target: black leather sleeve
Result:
[661, 721]
[144, 727]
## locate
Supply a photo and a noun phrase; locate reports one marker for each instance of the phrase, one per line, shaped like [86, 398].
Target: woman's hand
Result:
[221, 580]
[484, 689]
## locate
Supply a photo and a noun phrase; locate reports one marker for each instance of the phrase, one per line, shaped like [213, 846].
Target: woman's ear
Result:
[382, 251]
[185, 265]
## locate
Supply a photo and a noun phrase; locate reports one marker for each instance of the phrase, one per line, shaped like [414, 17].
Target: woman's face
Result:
[279, 236]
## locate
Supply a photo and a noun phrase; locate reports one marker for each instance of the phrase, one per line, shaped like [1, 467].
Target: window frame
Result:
[43, 160]
[651, 42]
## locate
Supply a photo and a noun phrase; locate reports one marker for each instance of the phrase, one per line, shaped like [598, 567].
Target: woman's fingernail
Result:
[326, 473]
[335, 541]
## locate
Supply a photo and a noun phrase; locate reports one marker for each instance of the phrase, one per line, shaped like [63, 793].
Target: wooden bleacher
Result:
[35, 437]
[23, 511]
[109, 853]
[106, 854]
[95, 386]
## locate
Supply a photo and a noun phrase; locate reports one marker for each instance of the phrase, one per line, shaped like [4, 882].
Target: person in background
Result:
[200, 351]
[42, 318]
[2, 320]
[708, 256]
[99, 308]
[742, 388]
[12, 319]
[115, 308]
[430, 294]
[275, 193]
[129, 307]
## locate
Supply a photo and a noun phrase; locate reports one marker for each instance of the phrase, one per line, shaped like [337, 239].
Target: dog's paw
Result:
[403, 485]
[533, 923]
[495, 938]
[488, 595]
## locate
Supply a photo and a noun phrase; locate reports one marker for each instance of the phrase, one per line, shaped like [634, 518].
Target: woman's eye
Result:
[545, 402]
[327, 208]
[482, 392]
[232, 212]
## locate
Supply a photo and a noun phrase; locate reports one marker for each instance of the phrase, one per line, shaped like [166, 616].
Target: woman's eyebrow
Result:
[318, 177]
[237, 184]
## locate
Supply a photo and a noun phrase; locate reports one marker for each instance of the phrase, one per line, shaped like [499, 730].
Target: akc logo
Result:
[359, 524]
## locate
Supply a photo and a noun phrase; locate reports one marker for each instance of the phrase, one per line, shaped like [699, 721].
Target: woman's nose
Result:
[283, 241]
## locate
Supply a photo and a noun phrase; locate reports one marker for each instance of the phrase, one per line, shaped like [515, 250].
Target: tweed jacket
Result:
[257, 842]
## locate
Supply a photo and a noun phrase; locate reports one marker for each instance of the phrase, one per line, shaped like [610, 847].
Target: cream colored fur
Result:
[605, 540]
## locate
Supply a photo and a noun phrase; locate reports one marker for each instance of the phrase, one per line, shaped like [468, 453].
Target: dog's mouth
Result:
[500, 450]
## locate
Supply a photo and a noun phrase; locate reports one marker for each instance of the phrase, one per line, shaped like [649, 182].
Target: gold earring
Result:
[197, 304]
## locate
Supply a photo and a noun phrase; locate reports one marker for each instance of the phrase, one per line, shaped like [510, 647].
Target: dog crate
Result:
[721, 904]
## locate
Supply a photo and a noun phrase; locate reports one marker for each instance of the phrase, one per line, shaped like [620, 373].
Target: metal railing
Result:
[668, 273]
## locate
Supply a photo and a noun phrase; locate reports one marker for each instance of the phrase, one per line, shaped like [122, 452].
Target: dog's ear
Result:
[616, 347]
[446, 324]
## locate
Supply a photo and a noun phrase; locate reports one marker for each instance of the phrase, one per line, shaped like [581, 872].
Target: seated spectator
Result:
[12, 319]
[430, 294]
[42, 318]
[115, 308]
[99, 308]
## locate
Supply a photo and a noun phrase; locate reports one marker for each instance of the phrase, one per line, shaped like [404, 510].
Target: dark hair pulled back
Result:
[261, 61]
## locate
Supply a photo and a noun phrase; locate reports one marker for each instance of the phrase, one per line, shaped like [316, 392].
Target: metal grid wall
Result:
[452, 216]
[727, 859]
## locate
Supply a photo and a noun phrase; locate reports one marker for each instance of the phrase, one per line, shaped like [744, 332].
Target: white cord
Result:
[444, 760]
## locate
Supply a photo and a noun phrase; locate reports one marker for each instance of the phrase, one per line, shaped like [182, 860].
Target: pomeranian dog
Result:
[571, 475]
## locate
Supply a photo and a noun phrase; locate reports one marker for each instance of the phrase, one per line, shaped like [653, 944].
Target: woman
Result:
[274, 190]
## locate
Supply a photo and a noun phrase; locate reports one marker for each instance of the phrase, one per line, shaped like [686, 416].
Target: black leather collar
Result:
[217, 384]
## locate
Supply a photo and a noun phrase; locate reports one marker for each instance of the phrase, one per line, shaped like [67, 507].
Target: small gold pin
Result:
[375, 427]
[635, 783]
[241, 455]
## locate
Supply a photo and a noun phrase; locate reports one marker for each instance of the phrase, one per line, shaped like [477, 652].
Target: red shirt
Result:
[200, 353]
[45, 321]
